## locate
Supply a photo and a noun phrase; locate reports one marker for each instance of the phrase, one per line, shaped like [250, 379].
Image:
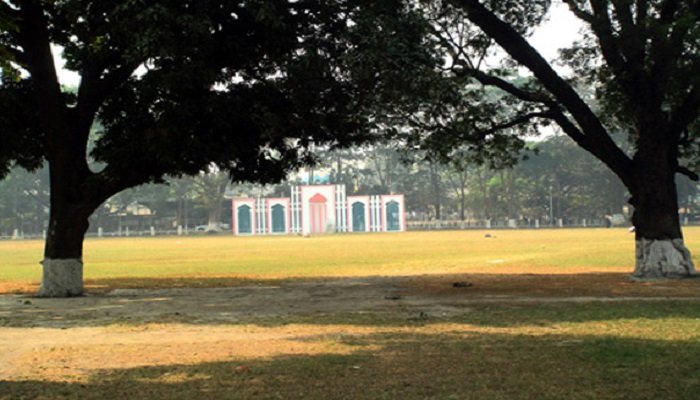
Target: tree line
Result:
[555, 180]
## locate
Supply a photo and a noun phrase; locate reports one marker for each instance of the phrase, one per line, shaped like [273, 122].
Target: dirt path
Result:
[427, 294]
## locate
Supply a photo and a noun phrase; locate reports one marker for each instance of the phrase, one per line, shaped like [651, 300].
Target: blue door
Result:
[393, 221]
[358, 217]
[244, 219]
[278, 225]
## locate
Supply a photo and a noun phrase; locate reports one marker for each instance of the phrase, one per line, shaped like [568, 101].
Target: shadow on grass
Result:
[502, 315]
[521, 284]
[491, 300]
[415, 366]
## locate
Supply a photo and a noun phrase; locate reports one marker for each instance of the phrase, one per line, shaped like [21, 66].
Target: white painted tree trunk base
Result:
[61, 277]
[663, 259]
[213, 227]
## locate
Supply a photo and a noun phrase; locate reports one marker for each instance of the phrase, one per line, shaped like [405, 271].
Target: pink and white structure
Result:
[314, 209]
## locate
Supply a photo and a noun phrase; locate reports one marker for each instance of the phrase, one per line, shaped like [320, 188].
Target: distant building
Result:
[314, 209]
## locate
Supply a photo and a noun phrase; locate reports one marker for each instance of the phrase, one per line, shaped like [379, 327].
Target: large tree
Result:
[209, 188]
[643, 59]
[179, 85]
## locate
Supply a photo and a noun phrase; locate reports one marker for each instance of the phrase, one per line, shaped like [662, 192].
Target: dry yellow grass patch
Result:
[75, 355]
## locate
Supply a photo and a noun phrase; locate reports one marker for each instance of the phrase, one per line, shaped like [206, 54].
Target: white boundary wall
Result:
[295, 209]
[341, 206]
[260, 216]
[375, 214]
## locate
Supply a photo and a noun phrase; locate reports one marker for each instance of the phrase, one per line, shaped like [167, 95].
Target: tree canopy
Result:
[641, 60]
[177, 86]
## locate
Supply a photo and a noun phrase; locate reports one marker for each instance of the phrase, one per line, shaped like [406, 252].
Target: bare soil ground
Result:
[69, 340]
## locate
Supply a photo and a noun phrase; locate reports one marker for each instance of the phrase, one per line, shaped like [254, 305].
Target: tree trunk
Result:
[437, 195]
[62, 265]
[660, 250]
[462, 204]
[71, 204]
[214, 217]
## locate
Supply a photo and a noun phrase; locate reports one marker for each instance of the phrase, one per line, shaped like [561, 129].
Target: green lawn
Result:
[508, 251]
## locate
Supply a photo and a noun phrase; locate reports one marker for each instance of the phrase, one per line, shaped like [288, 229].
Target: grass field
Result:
[516, 251]
[550, 314]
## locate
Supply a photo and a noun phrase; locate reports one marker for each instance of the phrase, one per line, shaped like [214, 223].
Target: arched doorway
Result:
[318, 213]
[278, 223]
[358, 217]
[243, 219]
[393, 220]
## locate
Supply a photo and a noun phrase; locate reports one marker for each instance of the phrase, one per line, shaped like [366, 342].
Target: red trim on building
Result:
[318, 198]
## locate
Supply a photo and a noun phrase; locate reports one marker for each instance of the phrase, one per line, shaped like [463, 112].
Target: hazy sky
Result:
[559, 31]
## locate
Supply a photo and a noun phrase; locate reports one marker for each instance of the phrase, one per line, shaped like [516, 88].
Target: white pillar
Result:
[15, 233]
[179, 230]
[560, 222]
[537, 223]
[153, 231]
[487, 223]
[100, 232]
[127, 231]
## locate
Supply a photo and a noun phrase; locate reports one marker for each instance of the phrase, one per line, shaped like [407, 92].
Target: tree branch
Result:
[668, 10]
[620, 56]
[94, 88]
[597, 139]
[18, 56]
[623, 11]
[628, 72]
[490, 80]
[579, 12]
[632, 36]
[621, 166]
[690, 174]
[34, 39]
[642, 10]
[521, 119]
[666, 47]
[686, 113]
[108, 182]
[7, 10]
